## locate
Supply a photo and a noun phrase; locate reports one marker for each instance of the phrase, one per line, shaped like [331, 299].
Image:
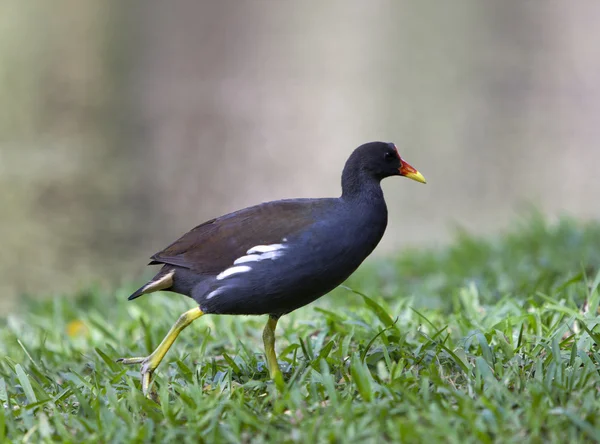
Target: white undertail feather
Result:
[165, 281]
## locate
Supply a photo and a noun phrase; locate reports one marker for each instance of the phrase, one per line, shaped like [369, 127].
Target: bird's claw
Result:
[146, 371]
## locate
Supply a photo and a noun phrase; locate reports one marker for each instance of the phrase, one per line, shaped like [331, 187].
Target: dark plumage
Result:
[278, 256]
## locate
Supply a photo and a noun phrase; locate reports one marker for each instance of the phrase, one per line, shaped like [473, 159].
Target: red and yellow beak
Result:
[408, 171]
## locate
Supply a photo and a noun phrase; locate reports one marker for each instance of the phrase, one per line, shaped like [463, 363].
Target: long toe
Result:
[146, 375]
[131, 361]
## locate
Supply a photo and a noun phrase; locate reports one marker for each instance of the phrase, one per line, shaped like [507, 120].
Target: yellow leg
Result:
[150, 363]
[269, 341]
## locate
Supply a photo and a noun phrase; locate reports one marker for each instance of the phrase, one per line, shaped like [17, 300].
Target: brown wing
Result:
[212, 246]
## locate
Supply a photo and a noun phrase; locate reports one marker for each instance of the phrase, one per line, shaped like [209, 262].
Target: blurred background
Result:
[124, 124]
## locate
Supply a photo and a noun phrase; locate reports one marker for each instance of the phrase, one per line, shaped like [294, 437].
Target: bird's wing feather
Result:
[214, 245]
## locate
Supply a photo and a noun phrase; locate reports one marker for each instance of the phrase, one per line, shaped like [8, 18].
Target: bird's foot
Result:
[147, 368]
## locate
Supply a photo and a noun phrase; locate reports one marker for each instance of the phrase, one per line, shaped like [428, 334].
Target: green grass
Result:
[487, 340]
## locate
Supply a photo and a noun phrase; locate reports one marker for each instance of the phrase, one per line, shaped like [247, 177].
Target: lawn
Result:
[485, 340]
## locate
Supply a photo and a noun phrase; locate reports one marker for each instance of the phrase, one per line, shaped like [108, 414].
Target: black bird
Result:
[278, 256]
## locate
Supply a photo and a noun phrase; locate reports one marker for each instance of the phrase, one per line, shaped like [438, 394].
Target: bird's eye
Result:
[389, 155]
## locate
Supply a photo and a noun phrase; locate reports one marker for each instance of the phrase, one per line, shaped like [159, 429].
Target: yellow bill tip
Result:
[409, 171]
[416, 176]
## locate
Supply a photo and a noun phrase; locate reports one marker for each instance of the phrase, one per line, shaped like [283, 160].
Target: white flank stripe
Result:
[270, 255]
[254, 254]
[258, 257]
[249, 258]
[265, 248]
[213, 293]
[233, 270]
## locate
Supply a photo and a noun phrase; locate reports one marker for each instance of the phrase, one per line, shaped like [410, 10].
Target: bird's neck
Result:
[361, 186]
[367, 211]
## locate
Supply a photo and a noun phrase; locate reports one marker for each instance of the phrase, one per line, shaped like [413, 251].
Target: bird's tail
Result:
[161, 281]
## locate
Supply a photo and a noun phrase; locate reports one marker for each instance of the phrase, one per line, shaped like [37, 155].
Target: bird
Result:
[275, 257]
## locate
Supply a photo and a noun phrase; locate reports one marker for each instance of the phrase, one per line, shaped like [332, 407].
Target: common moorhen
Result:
[278, 256]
